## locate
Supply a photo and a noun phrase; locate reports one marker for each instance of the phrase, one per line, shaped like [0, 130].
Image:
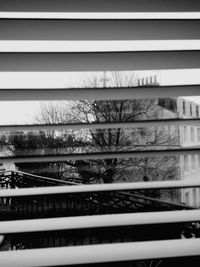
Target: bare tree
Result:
[118, 139]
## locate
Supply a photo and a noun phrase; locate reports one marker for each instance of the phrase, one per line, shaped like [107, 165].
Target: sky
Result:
[24, 112]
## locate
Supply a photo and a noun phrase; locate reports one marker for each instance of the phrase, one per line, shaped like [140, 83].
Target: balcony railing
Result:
[119, 215]
[47, 197]
[18, 179]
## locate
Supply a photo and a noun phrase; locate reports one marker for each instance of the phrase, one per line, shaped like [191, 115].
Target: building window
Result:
[184, 109]
[190, 109]
[198, 134]
[192, 134]
[185, 134]
[193, 159]
[197, 111]
[198, 160]
[194, 197]
[186, 163]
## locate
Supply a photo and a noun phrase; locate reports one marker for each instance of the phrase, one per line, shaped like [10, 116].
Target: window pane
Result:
[192, 134]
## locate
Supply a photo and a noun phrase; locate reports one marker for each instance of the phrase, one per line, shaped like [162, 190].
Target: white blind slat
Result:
[99, 93]
[103, 155]
[102, 15]
[98, 188]
[99, 61]
[96, 221]
[98, 46]
[99, 6]
[78, 126]
[80, 29]
[100, 253]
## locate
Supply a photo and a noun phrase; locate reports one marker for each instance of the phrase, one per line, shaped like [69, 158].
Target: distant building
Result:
[189, 138]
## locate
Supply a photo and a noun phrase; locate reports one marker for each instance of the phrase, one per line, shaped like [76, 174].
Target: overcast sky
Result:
[23, 112]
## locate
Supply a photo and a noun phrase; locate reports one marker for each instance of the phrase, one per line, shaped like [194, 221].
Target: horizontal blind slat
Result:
[112, 125]
[53, 190]
[101, 253]
[99, 6]
[12, 29]
[101, 15]
[103, 155]
[96, 221]
[99, 61]
[120, 93]
[97, 46]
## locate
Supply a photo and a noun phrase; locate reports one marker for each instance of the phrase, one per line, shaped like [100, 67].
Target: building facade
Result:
[189, 137]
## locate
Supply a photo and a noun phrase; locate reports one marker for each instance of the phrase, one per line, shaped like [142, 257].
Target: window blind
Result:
[56, 36]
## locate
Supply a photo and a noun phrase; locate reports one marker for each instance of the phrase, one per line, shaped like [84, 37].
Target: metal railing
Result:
[96, 229]
[19, 179]
[80, 201]
[74, 200]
